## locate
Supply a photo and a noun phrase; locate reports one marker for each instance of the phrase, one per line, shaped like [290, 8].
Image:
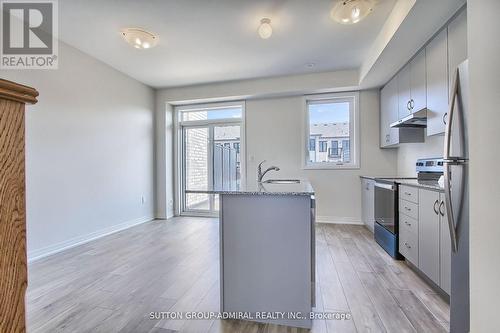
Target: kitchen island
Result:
[267, 246]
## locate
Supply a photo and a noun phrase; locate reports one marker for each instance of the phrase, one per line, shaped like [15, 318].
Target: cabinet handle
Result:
[408, 105]
[445, 115]
[408, 209]
[408, 193]
[407, 223]
[412, 103]
[441, 205]
[407, 245]
[435, 209]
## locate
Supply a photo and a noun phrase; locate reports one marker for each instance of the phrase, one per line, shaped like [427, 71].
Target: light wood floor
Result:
[112, 284]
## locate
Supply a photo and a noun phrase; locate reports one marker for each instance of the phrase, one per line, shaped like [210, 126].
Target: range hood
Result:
[417, 119]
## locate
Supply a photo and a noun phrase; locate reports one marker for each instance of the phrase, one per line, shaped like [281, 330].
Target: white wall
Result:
[273, 129]
[274, 110]
[484, 140]
[90, 152]
[408, 154]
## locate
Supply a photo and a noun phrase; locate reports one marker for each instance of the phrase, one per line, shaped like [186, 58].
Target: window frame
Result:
[323, 146]
[179, 124]
[354, 134]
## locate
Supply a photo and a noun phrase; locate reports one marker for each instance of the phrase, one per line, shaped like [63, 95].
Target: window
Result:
[345, 149]
[322, 146]
[236, 146]
[312, 144]
[334, 149]
[332, 119]
[210, 113]
[209, 144]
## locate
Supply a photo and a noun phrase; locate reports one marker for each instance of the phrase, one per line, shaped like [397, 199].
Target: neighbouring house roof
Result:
[330, 130]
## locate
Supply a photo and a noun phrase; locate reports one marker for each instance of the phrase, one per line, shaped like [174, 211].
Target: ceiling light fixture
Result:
[265, 28]
[139, 38]
[351, 11]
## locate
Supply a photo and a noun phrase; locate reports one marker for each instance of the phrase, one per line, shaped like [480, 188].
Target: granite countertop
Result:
[429, 184]
[302, 188]
[385, 177]
[410, 181]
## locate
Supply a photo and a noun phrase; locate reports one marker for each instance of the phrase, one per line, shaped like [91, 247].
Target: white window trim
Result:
[354, 116]
[178, 172]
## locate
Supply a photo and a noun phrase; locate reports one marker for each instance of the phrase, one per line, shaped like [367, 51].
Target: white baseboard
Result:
[338, 220]
[53, 249]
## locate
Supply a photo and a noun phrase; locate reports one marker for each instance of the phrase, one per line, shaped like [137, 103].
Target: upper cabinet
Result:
[437, 83]
[389, 113]
[457, 43]
[389, 104]
[404, 95]
[424, 83]
[418, 83]
[411, 86]
[443, 54]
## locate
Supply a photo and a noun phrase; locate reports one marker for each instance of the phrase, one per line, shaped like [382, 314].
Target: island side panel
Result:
[266, 254]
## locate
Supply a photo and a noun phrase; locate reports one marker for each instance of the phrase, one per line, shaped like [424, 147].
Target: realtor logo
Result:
[29, 34]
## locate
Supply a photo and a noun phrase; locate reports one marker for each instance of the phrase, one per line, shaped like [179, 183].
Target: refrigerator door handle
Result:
[449, 161]
[447, 137]
[449, 208]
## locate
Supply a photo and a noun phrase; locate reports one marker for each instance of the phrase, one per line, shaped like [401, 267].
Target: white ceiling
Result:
[205, 41]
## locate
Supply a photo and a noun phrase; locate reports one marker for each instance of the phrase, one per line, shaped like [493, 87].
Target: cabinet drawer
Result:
[408, 208]
[408, 224]
[408, 245]
[408, 193]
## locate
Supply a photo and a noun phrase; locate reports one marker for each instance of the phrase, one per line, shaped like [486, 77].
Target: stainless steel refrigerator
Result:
[456, 159]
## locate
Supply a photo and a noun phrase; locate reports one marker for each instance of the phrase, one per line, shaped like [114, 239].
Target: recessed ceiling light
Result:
[139, 38]
[351, 11]
[265, 28]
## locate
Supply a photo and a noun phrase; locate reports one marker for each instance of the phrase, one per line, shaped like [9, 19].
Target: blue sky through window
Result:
[329, 113]
[224, 113]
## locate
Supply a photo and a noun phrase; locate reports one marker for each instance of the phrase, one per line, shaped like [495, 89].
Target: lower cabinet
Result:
[368, 202]
[428, 234]
[408, 238]
[444, 248]
[424, 238]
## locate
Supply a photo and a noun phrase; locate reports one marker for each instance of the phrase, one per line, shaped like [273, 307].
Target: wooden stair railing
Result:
[13, 261]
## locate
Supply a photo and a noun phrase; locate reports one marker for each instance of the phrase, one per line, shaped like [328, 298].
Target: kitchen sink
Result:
[282, 181]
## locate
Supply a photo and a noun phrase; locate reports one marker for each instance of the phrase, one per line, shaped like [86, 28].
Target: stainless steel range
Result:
[386, 203]
[387, 216]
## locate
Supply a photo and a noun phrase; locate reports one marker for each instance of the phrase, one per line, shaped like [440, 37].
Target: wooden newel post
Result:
[13, 261]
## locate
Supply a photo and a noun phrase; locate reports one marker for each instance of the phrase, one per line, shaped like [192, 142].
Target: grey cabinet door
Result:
[457, 43]
[384, 116]
[404, 94]
[418, 100]
[445, 249]
[428, 234]
[389, 114]
[437, 83]
[393, 112]
[364, 200]
[368, 203]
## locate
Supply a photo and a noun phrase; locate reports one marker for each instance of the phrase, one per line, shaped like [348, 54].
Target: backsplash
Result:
[409, 153]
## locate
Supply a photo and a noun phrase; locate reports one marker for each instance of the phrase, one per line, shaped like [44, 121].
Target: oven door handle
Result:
[386, 186]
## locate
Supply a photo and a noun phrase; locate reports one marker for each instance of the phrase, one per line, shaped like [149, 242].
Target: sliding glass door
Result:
[210, 152]
[197, 168]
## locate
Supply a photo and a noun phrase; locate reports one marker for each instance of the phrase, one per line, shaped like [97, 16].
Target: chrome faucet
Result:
[261, 174]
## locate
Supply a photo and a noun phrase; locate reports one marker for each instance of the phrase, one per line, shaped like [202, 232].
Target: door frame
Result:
[179, 148]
